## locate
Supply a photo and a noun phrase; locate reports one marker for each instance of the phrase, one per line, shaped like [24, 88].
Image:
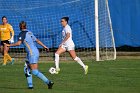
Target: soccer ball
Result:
[52, 70]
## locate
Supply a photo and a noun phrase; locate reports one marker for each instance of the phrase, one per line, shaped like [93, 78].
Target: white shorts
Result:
[68, 48]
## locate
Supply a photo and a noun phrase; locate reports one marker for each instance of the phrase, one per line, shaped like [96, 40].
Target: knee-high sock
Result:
[9, 57]
[40, 75]
[5, 59]
[77, 59]
[29, 81]
[56, 60]
[28, 75]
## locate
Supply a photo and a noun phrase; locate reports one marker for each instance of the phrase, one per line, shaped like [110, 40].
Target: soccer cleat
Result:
[86, 69]
[50, 85]
[57, 70]
[30, 87]
[12, 62]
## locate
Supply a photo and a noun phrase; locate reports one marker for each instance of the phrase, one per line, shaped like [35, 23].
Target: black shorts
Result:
[5, 41]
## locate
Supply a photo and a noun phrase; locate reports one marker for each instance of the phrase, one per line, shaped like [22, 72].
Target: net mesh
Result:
[43, 19]
[107, 49]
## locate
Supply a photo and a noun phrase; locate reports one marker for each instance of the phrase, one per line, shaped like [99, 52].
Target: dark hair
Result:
[66, 19]
[4, 17]
[22, 25]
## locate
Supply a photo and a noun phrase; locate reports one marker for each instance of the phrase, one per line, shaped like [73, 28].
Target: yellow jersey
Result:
[6, 31]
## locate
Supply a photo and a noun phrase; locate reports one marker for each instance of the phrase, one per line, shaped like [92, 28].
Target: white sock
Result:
[56, 60]
[77, 59]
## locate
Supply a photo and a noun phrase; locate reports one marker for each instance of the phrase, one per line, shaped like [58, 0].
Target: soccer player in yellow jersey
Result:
[6, 36]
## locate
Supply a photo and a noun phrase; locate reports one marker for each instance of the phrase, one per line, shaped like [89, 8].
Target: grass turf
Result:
[121, 76]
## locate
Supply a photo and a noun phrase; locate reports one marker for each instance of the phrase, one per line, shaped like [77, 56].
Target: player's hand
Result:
[60, 44]
[46, 48]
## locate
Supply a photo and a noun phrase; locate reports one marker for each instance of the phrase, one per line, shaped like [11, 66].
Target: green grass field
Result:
[121, 76]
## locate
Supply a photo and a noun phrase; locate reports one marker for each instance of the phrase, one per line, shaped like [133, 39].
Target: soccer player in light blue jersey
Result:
[28, 40]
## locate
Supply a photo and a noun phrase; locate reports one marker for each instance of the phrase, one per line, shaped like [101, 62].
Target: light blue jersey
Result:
[28, 40]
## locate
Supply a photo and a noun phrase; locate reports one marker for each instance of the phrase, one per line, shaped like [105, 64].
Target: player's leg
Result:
[28, 75]
[6, 49]
[2, 49]
[57, 54]
[6, 55]
[4, 59]
[78, 60]
[3, 53]
[37, 73]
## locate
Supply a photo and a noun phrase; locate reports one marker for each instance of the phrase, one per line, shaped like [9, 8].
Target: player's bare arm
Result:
[15, 44]
[65, 39]
[40, 43]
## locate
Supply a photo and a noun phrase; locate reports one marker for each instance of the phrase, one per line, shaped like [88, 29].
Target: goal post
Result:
[97, 31]
[111, 30]
[105, 49]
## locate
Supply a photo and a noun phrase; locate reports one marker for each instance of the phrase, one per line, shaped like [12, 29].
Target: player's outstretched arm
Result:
[15, 44]
[40, 43]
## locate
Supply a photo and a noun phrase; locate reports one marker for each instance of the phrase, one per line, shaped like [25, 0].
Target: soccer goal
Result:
[105, 44]
[89, 19]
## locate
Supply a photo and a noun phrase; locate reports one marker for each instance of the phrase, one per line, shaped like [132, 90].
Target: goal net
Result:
[105, 44]
[43, 19]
